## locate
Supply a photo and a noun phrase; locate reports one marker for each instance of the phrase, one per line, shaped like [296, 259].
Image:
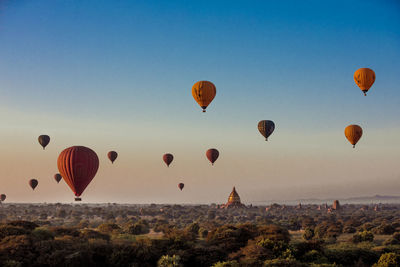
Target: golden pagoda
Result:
[233, 201]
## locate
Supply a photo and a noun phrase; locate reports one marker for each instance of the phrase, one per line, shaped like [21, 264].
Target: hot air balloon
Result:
[364, 78]
[3, 197]
[168, 158]
[44, 140]
[33, 183]
[212, 155]
[112, 155]
[78, 166]
[353, 133]
[204, 92]
[266, 128]
[181, 185]
[57, 177]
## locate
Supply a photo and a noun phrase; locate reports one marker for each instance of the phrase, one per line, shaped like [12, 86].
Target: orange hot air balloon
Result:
[3, 197]
[364, 78]
[204, 92]
[44, 140]
[112, 155]
[168, 158]
[181, 185]
[353, 133]
[57, 177]
[212, 155]
[78, 165]
[33, 183]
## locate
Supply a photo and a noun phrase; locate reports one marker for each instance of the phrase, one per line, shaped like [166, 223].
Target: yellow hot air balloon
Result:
[204, 92]
[364, 78]
[353, 133]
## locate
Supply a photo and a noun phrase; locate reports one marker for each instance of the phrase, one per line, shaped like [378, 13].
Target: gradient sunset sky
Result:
[117, 75]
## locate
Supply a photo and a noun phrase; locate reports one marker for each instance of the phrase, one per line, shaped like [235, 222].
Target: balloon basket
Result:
[78, 199]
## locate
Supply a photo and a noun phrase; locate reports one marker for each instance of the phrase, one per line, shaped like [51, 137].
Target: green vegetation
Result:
[175, 235]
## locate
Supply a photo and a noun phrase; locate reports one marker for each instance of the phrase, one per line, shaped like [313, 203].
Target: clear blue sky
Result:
[118, 74]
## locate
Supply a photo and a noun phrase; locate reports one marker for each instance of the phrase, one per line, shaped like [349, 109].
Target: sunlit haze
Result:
[117, 75]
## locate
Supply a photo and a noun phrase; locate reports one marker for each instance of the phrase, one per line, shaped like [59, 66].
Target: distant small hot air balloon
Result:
[57, 177]
[168, 158]
[266, 128]
[212, 155]
[112, 155]
[180, 186]
[33, 183]
[364, 78]
[3, 197]
[204, 92]
[44, 140]
[78, 165]
[353, 133]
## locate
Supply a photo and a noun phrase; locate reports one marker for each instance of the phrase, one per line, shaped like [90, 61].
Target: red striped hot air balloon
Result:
[78, 165]
[57, 177]
[181, 185]
[112, 156]
[212, 155]
[3, 197]
[44, 140]
[33, 183]
[168, 158]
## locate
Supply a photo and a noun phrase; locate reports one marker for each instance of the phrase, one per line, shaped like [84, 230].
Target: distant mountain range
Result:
[352, 200]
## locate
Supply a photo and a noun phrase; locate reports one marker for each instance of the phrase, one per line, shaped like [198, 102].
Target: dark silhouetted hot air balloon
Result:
[33, 183]
[168, 158]
[364, 78]
[3, 197]
[204, 92]
[112, 155]
[44, 140]
[181, 185]
[266, 128]
[57, 177]
[353, 133]
[212, 155]
[78, 166]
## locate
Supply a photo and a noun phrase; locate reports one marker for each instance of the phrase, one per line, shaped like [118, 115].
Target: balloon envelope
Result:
[3, 197]
[266, 128]
[33, 183]
[353, 133]
[112, 155]
[204, 92]
[168, 158]
[57, 177]
[44, 140]
[212, 155]
[180, 186]
[78, 165]
[364, 78]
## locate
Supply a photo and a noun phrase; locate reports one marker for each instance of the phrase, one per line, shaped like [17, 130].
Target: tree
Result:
[364, 236]
[109, 228]
[308, 233]
[139, 228]
[275, 233]
[226, 264]
[388, 260]
[169, 261]
[283, 263]
[24, 224]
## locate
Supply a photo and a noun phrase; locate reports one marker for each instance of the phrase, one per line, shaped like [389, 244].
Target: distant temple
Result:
[233, 201]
